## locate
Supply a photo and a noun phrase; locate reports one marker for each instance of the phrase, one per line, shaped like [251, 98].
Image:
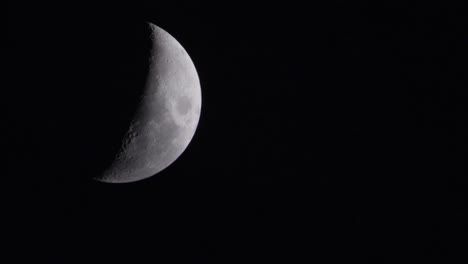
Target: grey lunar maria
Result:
[167, 115]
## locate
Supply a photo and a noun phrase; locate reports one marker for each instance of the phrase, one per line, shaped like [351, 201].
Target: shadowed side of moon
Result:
[166, 116]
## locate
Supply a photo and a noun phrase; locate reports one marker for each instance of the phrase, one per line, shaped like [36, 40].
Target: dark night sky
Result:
[336, 130]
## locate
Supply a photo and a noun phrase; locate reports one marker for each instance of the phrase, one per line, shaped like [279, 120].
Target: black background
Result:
[332, 131]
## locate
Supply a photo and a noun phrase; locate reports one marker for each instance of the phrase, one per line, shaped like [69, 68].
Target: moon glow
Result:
[166, 117]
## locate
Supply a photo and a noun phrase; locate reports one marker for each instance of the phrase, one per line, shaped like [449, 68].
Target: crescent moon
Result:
[167, 115]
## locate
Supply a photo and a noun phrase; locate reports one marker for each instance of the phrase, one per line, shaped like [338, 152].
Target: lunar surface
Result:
[167, 115]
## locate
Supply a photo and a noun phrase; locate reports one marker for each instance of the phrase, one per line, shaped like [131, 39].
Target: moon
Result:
[166, 117]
